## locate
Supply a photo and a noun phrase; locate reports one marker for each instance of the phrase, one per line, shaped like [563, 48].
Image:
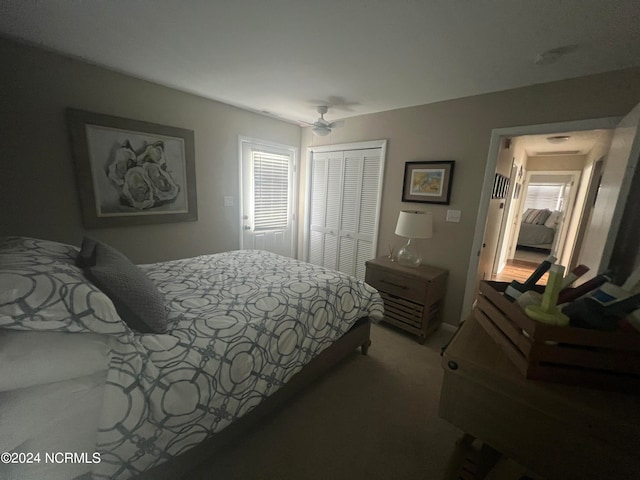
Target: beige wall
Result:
[460, 130]
[37, 184]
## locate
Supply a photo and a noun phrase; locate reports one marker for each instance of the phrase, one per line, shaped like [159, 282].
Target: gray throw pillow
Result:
[136, 298]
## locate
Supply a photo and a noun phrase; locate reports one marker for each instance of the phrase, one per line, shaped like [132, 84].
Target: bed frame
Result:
[181, 465]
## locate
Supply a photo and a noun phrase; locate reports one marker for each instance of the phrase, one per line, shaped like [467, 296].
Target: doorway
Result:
[546, 203]
[267, 193]
[545, 208]
[509, 219]
[550, 197]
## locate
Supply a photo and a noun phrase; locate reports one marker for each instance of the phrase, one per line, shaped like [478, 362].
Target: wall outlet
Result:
[228, 201]
[454, 216]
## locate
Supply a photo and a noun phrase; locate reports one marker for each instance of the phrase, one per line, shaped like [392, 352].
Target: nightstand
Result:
[412, 296]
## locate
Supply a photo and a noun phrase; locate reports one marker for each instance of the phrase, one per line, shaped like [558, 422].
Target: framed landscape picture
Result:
[131, 172]
[428, 182]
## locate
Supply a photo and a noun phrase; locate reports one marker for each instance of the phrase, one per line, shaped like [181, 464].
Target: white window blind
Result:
[544, 196]
[271, 178]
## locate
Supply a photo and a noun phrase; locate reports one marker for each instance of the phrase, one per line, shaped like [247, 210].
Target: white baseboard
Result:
[448, 327]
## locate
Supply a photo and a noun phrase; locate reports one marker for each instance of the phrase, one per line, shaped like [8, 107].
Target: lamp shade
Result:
[414, 224]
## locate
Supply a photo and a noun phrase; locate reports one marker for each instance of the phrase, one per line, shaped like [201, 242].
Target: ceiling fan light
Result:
[321, 131]
[558, 138]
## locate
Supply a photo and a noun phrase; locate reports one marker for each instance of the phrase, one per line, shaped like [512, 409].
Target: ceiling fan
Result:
[321, 127]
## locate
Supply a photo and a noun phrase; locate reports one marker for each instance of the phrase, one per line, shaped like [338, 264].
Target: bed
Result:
[238, 333]
[538, 228]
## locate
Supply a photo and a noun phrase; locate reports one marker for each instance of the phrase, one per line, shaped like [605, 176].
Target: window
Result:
[271, 176]
[544, 196]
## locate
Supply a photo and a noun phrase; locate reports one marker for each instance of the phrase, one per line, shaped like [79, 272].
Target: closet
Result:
[344, 187]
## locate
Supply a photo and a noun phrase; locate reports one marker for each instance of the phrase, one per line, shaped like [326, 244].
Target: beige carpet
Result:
[372, 417]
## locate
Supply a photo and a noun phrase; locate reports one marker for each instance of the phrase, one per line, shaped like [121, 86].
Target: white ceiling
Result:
[359, 56]
[578, 143]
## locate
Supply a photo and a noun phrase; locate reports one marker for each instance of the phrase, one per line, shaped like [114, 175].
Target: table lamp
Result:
[413, 224]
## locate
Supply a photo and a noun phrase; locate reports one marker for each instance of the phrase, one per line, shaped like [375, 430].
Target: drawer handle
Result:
[403, 287]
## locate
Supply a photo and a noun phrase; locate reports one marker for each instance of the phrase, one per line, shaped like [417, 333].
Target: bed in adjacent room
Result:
[538, 228]
[162, 359]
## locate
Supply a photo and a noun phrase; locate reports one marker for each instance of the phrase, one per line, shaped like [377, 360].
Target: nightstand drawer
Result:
[399, 285]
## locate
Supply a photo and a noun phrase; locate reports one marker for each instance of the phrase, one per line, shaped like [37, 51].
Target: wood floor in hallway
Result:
[518, 270]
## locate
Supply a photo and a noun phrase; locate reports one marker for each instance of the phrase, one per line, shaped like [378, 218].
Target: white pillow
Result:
[57, 417]
[37, 358]
[28, 249]
[55, 297]
[41, 288]
[552, 221]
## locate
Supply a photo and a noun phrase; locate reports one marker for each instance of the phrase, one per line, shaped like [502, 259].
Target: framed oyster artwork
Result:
[131, 172]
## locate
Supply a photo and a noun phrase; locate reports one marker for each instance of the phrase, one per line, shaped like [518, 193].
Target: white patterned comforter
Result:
[240, 325]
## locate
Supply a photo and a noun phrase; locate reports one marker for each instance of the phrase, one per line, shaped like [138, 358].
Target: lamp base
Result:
[409, 256]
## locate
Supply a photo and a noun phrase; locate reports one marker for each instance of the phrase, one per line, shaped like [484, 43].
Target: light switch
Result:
[228, 201]
[454, 216]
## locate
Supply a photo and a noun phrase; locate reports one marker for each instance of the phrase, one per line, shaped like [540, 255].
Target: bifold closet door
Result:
[345, 188]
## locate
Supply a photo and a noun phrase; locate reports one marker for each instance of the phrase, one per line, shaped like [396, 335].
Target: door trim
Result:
[339, 147]
[608, 123]
[381, 144]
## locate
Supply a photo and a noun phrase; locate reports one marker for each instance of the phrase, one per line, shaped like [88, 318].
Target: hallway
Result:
[524, 262]
[518, 270]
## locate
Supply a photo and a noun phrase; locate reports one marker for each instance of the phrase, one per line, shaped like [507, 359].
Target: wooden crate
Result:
[570, 355]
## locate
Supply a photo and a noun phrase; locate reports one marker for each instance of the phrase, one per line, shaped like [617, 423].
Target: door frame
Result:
[561, 233]
[497, 134]
[503, 241]
[294, 192]
[366, 145]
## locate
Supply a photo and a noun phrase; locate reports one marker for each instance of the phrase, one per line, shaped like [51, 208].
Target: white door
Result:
[268, 187]
[619, 168]
[344, 190]
[325, 206]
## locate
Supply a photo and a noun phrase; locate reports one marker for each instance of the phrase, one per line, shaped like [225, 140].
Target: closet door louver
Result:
[367, 216]
[334, 209]
[318, 210]
[344, 196]
[351, 183]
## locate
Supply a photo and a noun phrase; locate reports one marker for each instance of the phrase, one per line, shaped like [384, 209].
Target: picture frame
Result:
[428, 182]
[131, 172]
[500, 186]
[516, 191]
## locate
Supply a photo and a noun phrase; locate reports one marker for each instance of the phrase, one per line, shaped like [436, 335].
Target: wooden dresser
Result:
[557, 431]
[412, 296]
